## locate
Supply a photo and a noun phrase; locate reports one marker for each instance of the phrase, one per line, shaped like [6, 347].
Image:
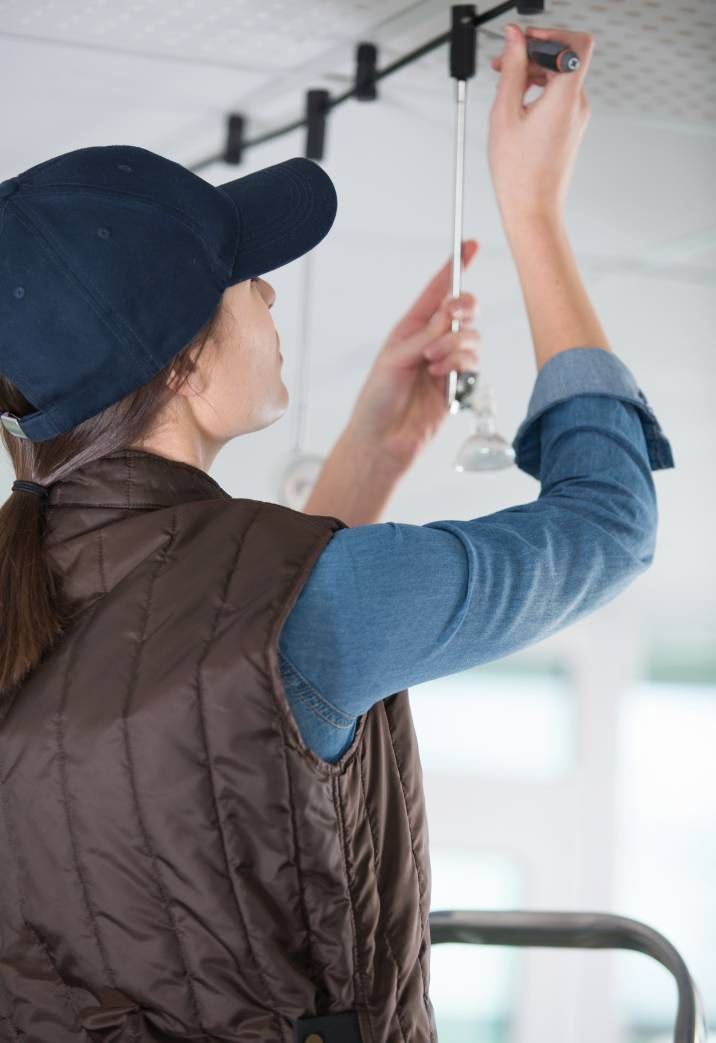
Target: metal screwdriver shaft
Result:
[453, 401]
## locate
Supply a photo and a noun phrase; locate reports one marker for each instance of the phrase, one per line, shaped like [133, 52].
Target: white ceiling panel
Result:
[265, 36]
[653, 59]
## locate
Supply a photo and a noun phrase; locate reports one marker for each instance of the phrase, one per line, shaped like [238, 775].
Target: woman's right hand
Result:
[532, 148]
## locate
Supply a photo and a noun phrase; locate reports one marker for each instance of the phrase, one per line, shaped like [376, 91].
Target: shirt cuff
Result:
[586, 371]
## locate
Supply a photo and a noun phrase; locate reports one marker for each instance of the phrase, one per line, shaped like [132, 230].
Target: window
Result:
[474, 988]
[666, 845]
[497, 723]
[563, 784]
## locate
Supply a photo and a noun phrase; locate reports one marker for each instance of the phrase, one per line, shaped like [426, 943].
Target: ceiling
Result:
[653, 59]
[164, 74]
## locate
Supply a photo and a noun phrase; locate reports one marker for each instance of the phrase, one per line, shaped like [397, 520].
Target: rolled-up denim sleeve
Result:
[586, 371]
[391, 605]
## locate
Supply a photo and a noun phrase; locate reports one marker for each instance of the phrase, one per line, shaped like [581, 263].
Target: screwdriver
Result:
[551, 54]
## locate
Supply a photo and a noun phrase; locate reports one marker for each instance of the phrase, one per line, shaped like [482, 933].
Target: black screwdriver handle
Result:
[551, 54]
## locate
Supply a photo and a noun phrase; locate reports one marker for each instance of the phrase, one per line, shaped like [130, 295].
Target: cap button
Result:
[8, 187]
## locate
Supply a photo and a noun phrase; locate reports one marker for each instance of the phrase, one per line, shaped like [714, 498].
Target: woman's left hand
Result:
[403, 402]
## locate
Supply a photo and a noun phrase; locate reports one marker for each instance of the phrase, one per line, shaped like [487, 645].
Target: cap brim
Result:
[284, 211]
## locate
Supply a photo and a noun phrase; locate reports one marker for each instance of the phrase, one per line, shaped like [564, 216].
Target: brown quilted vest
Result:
[175, 863]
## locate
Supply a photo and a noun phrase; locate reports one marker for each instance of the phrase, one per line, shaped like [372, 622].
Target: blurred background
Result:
[591, 784]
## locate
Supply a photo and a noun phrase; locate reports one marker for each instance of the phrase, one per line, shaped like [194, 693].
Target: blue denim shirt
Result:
[391, 605]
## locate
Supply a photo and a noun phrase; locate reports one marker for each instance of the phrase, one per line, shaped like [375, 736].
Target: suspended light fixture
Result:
[485, 450]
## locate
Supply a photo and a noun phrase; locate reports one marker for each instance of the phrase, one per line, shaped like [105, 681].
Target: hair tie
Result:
[30, 487]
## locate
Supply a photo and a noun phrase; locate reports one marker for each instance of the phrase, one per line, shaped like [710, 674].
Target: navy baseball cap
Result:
[112, 258]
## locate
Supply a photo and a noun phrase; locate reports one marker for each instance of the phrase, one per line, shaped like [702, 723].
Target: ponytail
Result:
[33, 612]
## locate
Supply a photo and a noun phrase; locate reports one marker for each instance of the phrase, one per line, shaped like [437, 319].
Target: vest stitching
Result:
[318, 972]
[129, 465]
[165, 897]
[128, 457]
[6, 707]
[100, 560]
[65, 987]
[415, 860]
[170, 465]
[217, 617]
[114, 506]
[22, 906]
[386, 932]
[357, 976]
[64, 791]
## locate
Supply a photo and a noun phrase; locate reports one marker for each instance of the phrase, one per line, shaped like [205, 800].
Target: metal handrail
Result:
[564, 930]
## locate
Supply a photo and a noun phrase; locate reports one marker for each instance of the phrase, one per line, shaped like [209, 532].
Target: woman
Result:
[208, 835]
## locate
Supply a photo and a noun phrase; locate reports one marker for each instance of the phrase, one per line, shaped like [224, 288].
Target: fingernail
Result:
[432, 351]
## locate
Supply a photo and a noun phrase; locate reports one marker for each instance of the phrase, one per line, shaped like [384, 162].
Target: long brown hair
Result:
[33, 613]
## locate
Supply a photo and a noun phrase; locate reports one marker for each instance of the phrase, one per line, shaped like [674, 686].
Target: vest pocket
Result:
[330, 1028]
